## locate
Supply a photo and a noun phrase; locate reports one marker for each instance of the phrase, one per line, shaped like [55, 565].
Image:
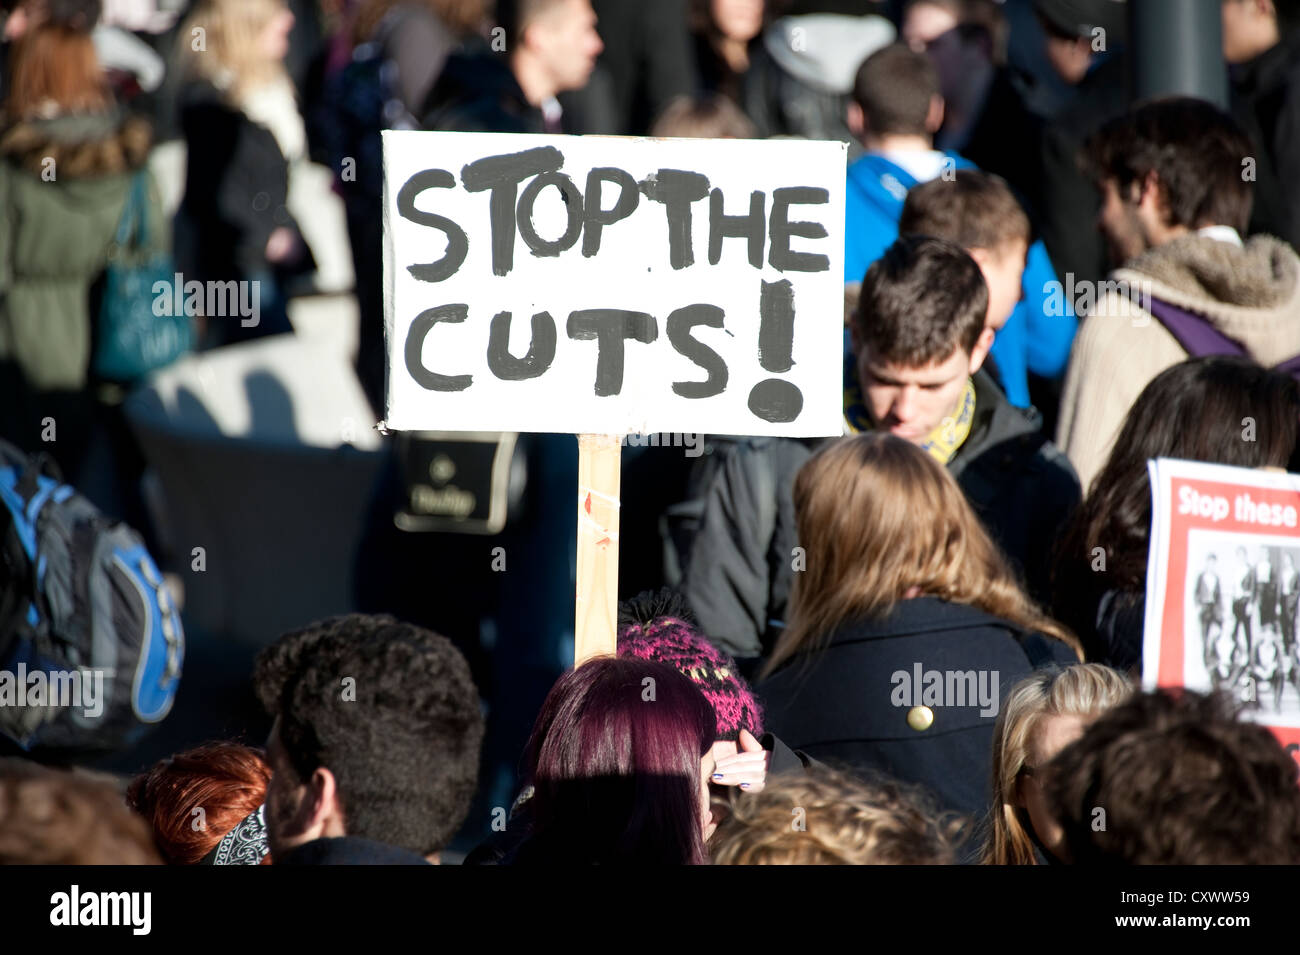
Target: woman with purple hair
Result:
[619, 764]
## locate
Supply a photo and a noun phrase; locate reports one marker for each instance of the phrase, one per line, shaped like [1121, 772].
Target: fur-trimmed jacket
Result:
[1249, 293]
[63, 186]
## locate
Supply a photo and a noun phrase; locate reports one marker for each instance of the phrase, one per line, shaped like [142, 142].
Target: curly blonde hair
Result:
[1085, 690]
[826, 817]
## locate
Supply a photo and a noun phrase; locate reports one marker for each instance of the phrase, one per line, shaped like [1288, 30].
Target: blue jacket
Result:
[1033, 338]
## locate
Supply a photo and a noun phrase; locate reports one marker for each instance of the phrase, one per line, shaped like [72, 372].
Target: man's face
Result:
[565, 39]
[911, 402]
[1121, 223]
[923, 23]
[1070, 57]
[1249, 28]
[287, 799]
[1003, 268]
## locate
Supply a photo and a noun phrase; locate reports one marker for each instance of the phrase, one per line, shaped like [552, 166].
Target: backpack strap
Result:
[1195, 333]
[133, 227]
[1198, 336]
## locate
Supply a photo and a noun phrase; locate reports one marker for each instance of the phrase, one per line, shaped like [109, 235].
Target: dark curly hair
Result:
[401, 735]
[1182, 781]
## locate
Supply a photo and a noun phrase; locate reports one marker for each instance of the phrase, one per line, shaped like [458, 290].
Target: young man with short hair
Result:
[1176, 206]
[918, 343]
[1181, 781]
[896, 110]
[375, 746]
[978, 211]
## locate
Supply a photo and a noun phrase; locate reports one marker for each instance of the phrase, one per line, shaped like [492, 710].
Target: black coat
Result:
[1266, 102]
[738, 570]
[844, 706]
[477, 93]
[1068, 202]
[236, 187]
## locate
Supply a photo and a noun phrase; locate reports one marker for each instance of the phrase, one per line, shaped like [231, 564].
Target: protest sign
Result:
[1223, 586]
[612, 286]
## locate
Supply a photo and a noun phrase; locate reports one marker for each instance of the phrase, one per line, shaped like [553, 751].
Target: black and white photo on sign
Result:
[1241, 597]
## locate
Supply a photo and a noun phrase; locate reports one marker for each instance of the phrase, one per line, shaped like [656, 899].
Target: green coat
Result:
[63, 186]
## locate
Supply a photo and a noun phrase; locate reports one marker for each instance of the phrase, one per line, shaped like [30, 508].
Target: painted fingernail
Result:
[717, 775]
[744, 785]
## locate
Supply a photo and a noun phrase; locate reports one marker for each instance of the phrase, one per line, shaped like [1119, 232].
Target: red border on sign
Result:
[1169, 670]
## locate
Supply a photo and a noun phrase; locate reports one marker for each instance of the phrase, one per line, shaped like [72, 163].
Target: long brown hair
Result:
[879, 518]
[54, 70]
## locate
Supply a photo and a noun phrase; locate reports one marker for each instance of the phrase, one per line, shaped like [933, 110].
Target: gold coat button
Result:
[920, 718]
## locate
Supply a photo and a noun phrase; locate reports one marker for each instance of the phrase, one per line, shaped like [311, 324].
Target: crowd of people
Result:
[918, 642]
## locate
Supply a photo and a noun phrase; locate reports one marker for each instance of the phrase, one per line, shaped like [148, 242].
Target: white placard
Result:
[613, 285]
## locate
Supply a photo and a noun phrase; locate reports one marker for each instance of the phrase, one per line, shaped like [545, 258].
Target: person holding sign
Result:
[917, 346]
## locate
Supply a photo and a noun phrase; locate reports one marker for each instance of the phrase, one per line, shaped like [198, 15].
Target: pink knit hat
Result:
[660, 627]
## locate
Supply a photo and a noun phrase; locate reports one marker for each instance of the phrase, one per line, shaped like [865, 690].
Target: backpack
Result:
[91, 643]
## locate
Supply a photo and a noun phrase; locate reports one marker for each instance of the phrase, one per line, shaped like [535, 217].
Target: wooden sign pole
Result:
[595, 626]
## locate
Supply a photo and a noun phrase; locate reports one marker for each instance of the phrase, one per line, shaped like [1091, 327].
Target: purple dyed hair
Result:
[615, 762]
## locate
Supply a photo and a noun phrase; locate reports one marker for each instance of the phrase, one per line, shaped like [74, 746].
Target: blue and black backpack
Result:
[91, 643]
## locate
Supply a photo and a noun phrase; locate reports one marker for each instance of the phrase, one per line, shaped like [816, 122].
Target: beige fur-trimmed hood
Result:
[1250, 293]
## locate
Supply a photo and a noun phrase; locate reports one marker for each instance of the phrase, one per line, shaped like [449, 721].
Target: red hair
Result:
[226, 781]
[615, 762]
[55, 65]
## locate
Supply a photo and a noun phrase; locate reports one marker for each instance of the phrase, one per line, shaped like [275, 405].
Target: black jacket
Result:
[845, 705]
[1266, 102]
[477, 93]
[738, 572]
[1068, 202]
[236, 186]
[348, 850]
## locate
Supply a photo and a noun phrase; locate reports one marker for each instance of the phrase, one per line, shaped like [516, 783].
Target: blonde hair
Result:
[825, 817]
[878, 518]
[1084, 690]
[231, 58]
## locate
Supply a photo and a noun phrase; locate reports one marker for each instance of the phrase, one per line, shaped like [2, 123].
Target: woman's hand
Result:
[742, 764]
[282, 246]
